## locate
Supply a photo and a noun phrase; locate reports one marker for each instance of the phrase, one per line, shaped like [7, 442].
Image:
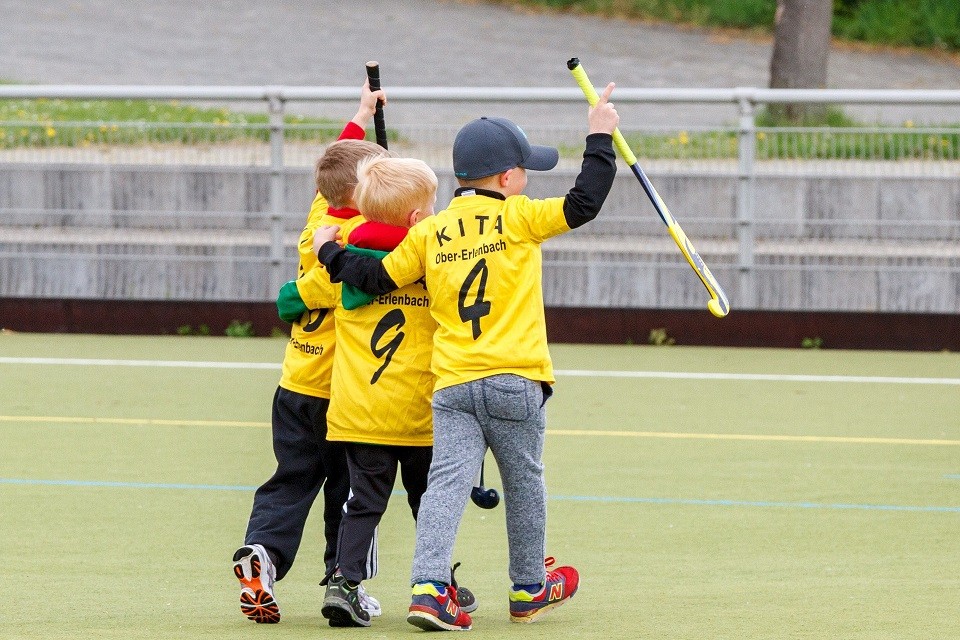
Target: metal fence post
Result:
[277, 191]
[745, 232]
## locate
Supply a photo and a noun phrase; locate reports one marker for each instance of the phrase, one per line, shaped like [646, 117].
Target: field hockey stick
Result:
[481, 496]
[718, 304]
[373, 75]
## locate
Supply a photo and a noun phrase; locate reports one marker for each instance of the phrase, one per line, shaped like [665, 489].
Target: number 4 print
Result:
[480, 307]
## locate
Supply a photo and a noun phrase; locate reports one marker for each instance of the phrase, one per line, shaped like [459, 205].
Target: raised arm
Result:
[599, 168]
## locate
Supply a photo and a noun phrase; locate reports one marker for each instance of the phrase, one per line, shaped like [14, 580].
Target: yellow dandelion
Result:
[761, 135]
[683, 137]
[103, 128]
[908, 124]
[51, 132]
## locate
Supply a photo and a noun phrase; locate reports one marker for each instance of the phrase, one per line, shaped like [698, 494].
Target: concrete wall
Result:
[832, 242]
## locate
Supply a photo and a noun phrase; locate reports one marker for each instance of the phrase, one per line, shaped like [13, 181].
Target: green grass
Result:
[66, 123]
[78, 123]
[929, 24]
[736, 548]
[836, 137]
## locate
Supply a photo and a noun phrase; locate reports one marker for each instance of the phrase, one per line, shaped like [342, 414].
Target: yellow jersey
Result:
[308, 359]
[382, 382]
[483, 267]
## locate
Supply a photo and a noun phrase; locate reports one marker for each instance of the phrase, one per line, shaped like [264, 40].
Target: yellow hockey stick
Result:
[718, 304]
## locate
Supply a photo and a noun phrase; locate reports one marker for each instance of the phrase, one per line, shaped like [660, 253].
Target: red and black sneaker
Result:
[256, 573]
[559, 587]
[434, 609]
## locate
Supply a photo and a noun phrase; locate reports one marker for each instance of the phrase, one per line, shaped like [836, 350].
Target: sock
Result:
[529, 588]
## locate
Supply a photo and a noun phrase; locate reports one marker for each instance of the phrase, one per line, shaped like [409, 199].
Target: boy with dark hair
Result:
[306, 461]
[482, 262]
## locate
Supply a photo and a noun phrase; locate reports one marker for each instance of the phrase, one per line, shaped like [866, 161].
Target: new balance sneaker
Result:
[559, 587]
[256, 573]
[342, 606]
[370, 604]
[465, 598]
[434, 609]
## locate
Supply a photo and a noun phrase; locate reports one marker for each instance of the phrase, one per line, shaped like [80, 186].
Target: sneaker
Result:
[341, 604]
[370, 604]
[433, 610]
[559, 587]
[256, 573]
[465, 598]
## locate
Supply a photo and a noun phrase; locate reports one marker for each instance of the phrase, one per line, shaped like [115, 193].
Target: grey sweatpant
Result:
[505, 413]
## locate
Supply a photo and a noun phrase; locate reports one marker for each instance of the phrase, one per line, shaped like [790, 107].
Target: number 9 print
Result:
[393, 319]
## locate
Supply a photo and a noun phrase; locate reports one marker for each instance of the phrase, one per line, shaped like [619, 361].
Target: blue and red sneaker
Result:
[436, 609]
[559, 587]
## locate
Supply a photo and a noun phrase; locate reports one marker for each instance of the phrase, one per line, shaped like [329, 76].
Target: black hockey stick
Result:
[373, 75]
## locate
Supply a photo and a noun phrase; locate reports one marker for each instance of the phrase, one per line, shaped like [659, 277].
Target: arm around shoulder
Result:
[366, 273]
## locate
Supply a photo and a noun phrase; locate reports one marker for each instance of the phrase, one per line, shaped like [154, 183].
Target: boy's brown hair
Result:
[335, 171]
[389, 189]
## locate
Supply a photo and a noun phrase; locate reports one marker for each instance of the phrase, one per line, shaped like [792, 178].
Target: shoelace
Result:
[548, 562]
[366, 600]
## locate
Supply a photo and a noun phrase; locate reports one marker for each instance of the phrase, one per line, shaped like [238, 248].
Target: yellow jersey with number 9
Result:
[382, 382]
[483, 266]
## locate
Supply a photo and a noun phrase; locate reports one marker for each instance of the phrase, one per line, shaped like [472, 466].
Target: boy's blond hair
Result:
[389, 189]
[335, 172]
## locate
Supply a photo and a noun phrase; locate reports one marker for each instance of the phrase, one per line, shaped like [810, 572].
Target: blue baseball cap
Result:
[488, 146]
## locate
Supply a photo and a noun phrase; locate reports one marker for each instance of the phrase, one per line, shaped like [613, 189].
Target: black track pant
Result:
[306, 461]
[373, 471]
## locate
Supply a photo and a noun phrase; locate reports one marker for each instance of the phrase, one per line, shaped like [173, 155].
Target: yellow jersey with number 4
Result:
[483, 266]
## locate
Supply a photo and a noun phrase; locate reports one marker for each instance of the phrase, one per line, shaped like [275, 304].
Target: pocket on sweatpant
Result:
[507, 397]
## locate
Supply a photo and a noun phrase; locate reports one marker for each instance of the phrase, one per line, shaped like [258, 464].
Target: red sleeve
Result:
[352, 131]
[377, 235]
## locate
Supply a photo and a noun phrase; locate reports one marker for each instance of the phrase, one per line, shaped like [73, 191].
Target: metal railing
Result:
[747, 156]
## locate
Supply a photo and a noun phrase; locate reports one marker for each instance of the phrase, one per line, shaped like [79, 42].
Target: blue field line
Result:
[609, 499]
[758, 503]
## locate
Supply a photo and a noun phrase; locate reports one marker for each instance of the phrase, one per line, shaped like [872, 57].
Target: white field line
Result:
[573, 373]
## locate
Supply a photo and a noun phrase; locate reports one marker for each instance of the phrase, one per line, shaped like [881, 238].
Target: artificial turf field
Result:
[816, 497]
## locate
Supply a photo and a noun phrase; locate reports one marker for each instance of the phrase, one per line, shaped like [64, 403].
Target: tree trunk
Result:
[801, 47]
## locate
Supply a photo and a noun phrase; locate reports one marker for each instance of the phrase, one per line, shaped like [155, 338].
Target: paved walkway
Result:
[418, 43]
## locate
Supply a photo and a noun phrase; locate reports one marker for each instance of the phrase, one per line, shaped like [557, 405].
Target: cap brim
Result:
[541, 158]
